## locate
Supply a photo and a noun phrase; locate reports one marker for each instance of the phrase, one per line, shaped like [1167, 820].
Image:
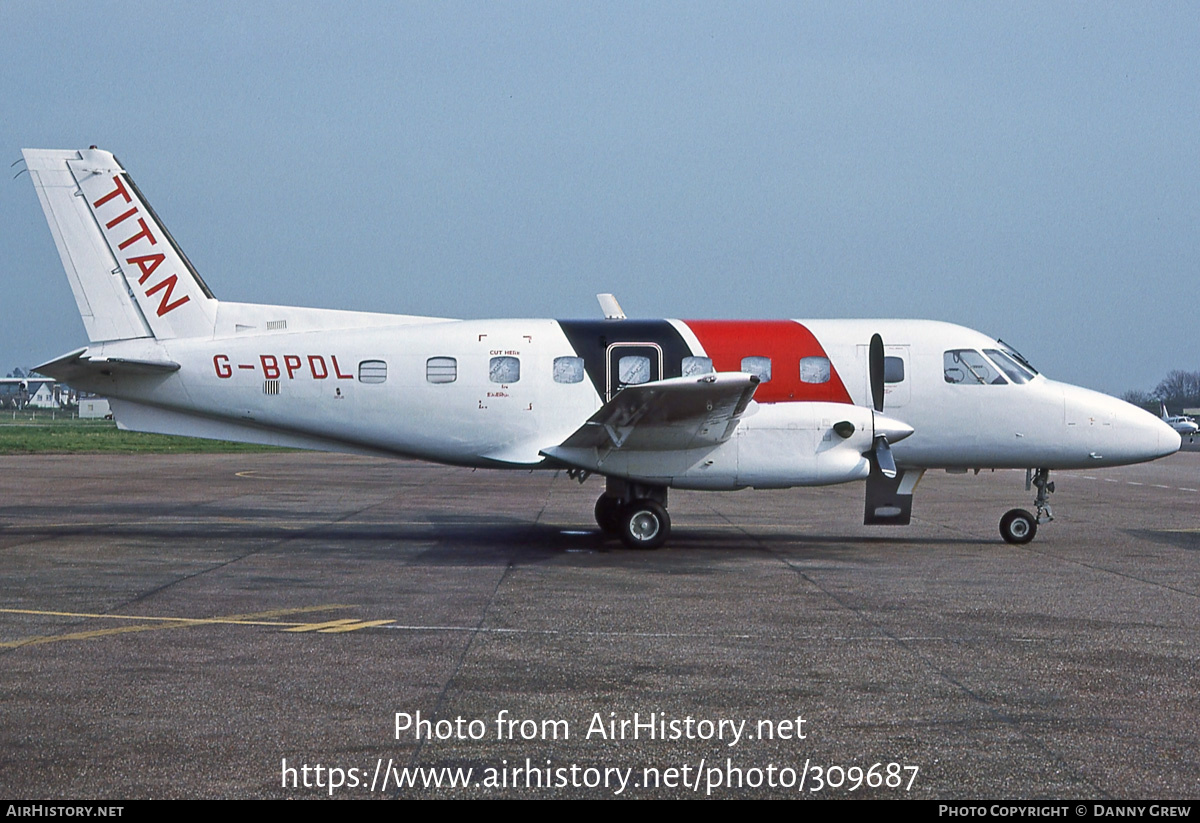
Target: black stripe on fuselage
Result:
[591, 338]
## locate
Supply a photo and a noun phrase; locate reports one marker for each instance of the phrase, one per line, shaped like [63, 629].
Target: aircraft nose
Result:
[1145, 436]
[1169, 440]
[1116, 433]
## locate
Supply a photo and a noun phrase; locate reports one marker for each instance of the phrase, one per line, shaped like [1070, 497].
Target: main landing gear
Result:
[1018, 525]
[635, 512]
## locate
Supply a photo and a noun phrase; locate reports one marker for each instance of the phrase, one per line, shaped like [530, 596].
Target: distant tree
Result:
[18, 372]
[1179, 388]
[1143, 399]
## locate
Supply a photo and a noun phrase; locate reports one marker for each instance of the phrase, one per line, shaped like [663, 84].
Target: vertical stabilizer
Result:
[129, 278]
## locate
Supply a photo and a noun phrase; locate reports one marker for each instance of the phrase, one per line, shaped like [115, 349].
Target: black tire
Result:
[1018, 526]
[644, 525]
[608, 514]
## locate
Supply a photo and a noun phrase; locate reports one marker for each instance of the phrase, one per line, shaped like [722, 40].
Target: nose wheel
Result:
[1018, 526]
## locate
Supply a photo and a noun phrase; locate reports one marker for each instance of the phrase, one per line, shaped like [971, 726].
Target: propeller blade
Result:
[875, 358]
[883, 457]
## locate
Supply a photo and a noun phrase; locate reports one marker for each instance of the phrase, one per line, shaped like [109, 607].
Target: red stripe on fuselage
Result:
[784, 341]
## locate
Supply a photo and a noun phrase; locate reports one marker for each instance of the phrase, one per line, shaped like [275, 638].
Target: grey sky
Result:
[1027, 170]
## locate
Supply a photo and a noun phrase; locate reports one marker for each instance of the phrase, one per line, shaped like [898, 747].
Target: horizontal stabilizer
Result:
[78, 364]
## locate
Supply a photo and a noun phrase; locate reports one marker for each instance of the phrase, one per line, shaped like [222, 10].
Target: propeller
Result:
[885, 428]
[875, 361]
[883, 456]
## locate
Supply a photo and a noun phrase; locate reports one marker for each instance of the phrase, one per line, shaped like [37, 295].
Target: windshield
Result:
[1016, 355]
[1016, 372]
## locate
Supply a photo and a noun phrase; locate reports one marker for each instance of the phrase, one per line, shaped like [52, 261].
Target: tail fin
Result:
[1162, 404]
[129, 277]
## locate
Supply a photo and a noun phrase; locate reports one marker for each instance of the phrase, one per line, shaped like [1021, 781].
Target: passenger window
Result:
[893, 370]
[693, 366]
[441, 370]
[814, 369]
[970, 367]
[372, 371]
[633, 369]
[760, 367]
[504, 370]
[568, 370]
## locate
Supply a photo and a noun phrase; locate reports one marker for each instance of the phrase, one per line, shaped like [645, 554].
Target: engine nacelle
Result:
[803, 444]
[775, 446]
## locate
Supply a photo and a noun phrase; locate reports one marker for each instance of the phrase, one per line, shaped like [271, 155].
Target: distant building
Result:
[92, 407]
[43, 394]
[35, 393]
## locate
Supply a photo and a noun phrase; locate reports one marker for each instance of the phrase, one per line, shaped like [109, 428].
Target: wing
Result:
[667, 415]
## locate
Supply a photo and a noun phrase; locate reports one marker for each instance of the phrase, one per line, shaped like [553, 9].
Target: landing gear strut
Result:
[635, 512]
[1019, 526]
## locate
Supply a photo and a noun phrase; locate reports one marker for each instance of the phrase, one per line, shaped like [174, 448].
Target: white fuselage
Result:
[362, 383]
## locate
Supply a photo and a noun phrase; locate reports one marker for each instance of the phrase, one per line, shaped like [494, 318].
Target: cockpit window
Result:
[970, 367]
[1015, 371]
[1016, 355]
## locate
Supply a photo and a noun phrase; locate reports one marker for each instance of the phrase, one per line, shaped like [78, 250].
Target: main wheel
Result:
[1018, 526]
[644, 525]
[608, 514]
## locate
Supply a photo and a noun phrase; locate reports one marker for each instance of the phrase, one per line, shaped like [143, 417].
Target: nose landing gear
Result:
[1018, 526]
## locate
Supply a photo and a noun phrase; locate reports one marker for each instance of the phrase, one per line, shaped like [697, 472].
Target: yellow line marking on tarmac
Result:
[252, 619]
[312, 627]
[158, 623]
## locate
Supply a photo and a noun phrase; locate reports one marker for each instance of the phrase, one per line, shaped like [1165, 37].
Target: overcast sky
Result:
[1029, 170]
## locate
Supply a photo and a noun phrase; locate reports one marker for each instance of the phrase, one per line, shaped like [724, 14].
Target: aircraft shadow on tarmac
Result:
[436, 537]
